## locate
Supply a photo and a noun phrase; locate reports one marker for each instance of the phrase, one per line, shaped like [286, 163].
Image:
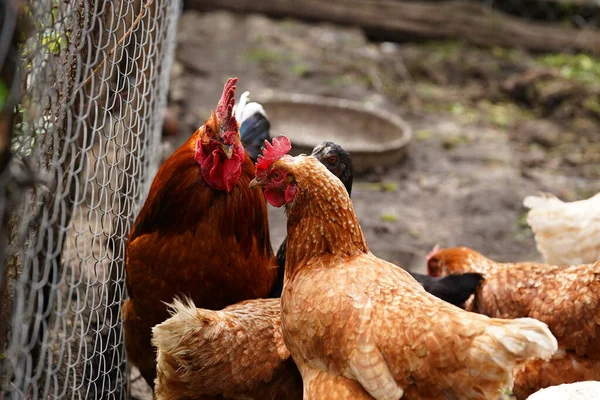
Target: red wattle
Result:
[275, 197]
[219, 172]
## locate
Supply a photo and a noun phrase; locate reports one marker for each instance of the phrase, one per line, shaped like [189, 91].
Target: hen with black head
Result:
[455, 289]
[337, 160]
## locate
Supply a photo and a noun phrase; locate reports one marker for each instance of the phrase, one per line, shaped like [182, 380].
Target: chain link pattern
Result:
[87, 127]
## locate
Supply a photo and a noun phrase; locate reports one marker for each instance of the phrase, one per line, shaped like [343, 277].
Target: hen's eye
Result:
[277, 175]
[332, 159]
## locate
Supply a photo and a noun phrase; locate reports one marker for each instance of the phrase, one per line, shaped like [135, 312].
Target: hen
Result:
[565, 233]
[348, 314]
[454, 289]
[237, 352]
[567, 298]
[217, 346]
[202, 232]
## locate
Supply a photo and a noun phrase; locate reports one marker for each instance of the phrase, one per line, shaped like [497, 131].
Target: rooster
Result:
[565, 233]
[454, 289]
[202, 232]
[567, 298]
[346, 313]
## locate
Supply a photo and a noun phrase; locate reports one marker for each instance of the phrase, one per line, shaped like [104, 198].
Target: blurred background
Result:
[500, 100]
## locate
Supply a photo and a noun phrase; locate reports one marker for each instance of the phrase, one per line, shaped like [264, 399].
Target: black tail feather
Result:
[455, 289]
[254, 131]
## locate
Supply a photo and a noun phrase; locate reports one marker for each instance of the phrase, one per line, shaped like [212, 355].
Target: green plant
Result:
[389, 217]
[53, 41]
[423, 134]
[300, 69]
[3, 94]
[581, 67]
[262, 56]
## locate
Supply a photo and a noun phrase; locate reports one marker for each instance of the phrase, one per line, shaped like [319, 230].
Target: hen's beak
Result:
[228, 150]
[256, 183]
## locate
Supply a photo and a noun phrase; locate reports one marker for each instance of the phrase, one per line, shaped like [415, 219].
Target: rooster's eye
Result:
[332, 159]
[277, 175]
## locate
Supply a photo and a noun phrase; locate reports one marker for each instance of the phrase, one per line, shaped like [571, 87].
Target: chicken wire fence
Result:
[82, 92]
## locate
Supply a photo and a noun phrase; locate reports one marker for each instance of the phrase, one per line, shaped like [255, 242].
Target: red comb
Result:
[272, 152]
[224, 110]
[432, 253]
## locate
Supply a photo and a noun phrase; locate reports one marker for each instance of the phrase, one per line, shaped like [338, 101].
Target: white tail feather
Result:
[244, 109]
[527, 338]
[522, 339]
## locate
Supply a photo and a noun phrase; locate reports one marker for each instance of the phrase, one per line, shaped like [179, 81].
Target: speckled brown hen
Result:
[347, 313]
[567, 298]
[235, 353]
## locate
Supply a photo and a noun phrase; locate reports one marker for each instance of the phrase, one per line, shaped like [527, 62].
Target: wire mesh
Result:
[87, 124]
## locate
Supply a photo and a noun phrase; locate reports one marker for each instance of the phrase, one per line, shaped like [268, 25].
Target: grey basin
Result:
[373, 137]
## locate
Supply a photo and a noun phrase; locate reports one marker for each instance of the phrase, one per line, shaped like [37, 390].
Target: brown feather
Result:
[237, 352]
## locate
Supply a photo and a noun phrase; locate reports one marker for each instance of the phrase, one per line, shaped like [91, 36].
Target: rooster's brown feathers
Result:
[192, 240]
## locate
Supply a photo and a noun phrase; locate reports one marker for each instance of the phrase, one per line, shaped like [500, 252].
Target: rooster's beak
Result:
[228, 150]
[256, 183]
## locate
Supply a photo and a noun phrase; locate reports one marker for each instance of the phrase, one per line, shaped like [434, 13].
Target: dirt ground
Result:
[491, 126]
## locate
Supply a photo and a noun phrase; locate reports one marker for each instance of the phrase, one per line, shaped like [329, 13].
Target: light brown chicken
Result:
[235, 353]
[566, 298]
[347, 313]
